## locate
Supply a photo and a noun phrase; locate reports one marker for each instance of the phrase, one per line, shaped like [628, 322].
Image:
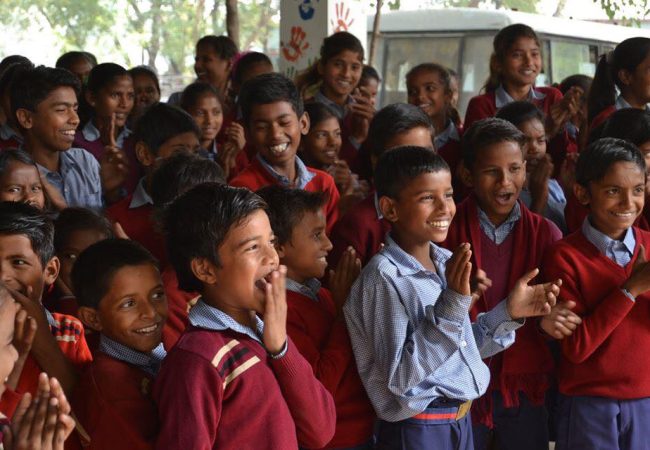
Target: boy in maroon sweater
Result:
[315, 318]
[230, 382]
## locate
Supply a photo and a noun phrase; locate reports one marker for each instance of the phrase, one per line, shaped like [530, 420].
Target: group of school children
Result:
[262, 263]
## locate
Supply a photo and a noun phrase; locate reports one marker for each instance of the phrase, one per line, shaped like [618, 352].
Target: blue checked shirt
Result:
[555, 203]
[150, 363]
[502, 98]
[448, 134]
[500, 233]
[309, 289]
[620, 252]
[303, 176]
[412, 338]
[91, 133]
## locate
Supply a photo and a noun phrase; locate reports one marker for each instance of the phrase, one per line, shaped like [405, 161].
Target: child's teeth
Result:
[279, 148]
[147, 329]
[440, 223]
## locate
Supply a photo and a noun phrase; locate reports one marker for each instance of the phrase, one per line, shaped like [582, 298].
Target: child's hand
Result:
[560, 112]
[106, 127]
[113, 169]
[561, 321]
[118, 232]
[227, 157]
[275, 312]
[341, 279]
[235, 134]
[639, 280]
[479, 284]
[530, 301]
[362, 113]
[24, 332]
[459, 269]
[53, 194]
[568, 172]
[539, 175]
[342, 175]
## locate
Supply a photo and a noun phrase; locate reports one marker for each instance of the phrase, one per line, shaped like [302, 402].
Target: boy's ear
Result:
[25, 118]
[51, 271]
[279, 248]
[304, 124]
[204, 270]
[143, 154]
[464, 174]
[388, 209]
[581, 193]
[90, 317]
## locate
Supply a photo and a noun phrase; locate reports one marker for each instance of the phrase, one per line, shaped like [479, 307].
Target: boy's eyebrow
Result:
[247, 240]
[275, 118]
[65, 104]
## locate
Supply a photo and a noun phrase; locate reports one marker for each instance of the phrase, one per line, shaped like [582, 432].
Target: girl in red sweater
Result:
[603, 382]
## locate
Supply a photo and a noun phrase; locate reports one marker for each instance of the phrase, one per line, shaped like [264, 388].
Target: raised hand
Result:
[561, 321]
[459, 269]
[341, 279]
[24, 333]
[539, 175]
[639, 280]
[530, 301]
[479, 284]
[235, 134]
[275, 312]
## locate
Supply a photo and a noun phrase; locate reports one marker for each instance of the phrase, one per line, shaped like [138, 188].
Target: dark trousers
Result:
[597, 423]
[522, 428]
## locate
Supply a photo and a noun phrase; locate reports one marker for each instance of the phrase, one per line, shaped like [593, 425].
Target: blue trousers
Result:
[597, 423]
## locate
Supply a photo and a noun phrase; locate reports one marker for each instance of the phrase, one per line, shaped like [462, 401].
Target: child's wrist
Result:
[277, 354]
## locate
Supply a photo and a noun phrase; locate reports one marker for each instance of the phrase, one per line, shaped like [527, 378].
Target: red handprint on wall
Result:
[342, 15]
[295, 48]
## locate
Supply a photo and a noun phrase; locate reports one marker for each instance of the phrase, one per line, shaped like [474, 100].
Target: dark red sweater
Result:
[179, 303]
[608, 355]
[113, 403]
[324, 342]
[220, 390]
[602, 116]
[575, 214]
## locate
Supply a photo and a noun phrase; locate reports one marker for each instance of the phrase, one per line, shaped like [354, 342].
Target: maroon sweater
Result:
[220, 390]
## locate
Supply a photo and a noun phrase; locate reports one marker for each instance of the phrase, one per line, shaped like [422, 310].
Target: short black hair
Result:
[395, 119]
[518, 113]
[630, 124]
[66, 60]
[196, 90]
[223, 46]
[197, 222]
[487, 132]
[245, 63]
[369, 73]
[318, 112]
[23, 219]
[268, 88]
[594, 162]
[35, 85]
[160, 123]
[288, 206]
[398, 167]
[13, 59]
[10, 74]
[103, 74]
[146, 71]
[75, 219]
[14, 155]
[96, 266]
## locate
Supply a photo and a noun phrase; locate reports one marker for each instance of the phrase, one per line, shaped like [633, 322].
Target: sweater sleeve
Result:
[478, 108]
[311, 406]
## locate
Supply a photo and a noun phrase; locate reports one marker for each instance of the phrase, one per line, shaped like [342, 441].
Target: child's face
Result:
[306, 252]
[22, 183]
[427, 91]
[371, 88]
[498, 175]
[81, 67]
[184, 142]
[134, 310]
[208, 115]
[638, 81]
[55, 121]
[274, 130]
[248, 257]
[78, 241]
[323, 141]
[341, 73]
[617, 200]
[116, 98]
[8, 353]
[535, 142]
[256, 69]
[423, 210]
[145, 92]
[21, 268]
[418, 136]
[522, 63]
[645, 150]
[209, 67]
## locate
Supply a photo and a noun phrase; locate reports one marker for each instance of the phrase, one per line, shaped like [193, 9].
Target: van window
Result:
[570, 58]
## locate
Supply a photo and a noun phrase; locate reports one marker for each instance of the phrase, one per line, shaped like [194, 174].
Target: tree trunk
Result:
[560, 8]
[154, 42]
[375, 33]
[232, 21]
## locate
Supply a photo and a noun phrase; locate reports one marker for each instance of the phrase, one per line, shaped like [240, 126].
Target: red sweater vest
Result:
[179, 303]
[609, 353]
[323, 341]
[602, 116]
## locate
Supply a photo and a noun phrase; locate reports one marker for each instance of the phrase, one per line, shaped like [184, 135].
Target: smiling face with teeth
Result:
[426, 90]
[341, 74]
[521, 65]
[115, 98]
[322, 143]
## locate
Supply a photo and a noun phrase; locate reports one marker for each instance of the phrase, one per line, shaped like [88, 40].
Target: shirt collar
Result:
[514, 216]
[310, 288]
[205, 316]
[621, 103]
[6, 133]
[449, 134]
[502, 98]
[335, 107]
[303, 176]
[140, 196]
[91, 133]
[406, 264]
[50, 318]
[604, 243]
[65, 163]
[150, 363]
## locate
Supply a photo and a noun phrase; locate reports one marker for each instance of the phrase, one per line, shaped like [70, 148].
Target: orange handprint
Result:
[295, 48]
[342, 16]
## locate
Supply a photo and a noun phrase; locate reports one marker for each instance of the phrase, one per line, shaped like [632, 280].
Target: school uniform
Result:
[602, 376]
[575, 214]
[522, 374]
[419, 356]
[322, 339]
[602, 116]
[113, 398]
[555, 204]
[9, 138]
[259, 174]
[179, 303]
[447, 145]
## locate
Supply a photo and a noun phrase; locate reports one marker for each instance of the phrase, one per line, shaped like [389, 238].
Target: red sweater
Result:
[609, 353]
[575, 213]
[220, 390]
[179, 303]
[602, 116]
[255, 176]
[323, 341]
[527, 365]
[113, 403]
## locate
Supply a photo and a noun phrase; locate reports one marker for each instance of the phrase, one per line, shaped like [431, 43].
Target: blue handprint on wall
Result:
[306, 9]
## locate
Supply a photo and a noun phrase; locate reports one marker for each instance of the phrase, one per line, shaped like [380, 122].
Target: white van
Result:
[461, 39]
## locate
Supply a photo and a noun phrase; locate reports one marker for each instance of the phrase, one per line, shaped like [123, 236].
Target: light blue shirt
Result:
[412, 338]
[502, 98]
[309, 289]
[6, 133]
[303, 176]
[150, 363]
[140, 196]
[91, 134]
[449, 134]
[555, 204]
[620, 252]
[621, 103]
[500, 233]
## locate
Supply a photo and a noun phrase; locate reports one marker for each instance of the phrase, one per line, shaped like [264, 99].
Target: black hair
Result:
[11, 73]
[518, 113]
[487, 132]
[318, 112]
[398, 167]
[369, 73]
[578, 80]
[104, 74]
[395, 119]
[626, 56]
[179, 173]
[247, 62]
[223, 46]
[594, 162]
[161, 122]
[268, 88]
[14, 155]
[76, 219]
[288, 206]
[146, 71]
[197, 222]
[436, 68]
[93, 272]
[34, 86]
[13, 59]
[194, 91]
[68, 59]
[23, 219]
[630, 124]
[502, 43]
